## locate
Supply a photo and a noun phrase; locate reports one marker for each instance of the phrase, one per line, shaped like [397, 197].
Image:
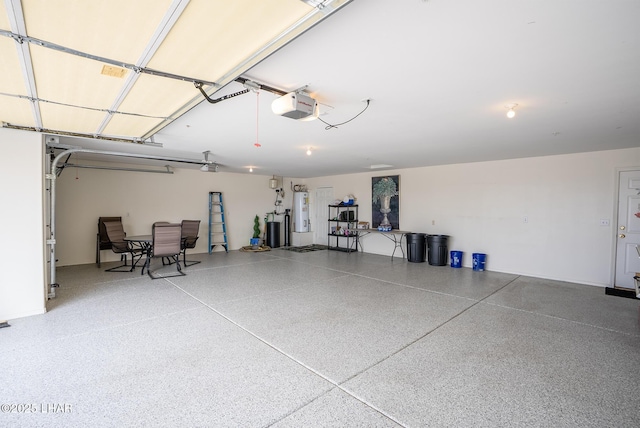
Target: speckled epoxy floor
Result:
[319, 339]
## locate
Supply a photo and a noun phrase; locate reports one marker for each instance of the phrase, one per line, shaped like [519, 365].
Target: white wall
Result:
[482, 206]
[22, 254]
[141, 199]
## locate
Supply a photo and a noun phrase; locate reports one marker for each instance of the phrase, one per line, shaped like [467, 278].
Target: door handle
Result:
[621, 235]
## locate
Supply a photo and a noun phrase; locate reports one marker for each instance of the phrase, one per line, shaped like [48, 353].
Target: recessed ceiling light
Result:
[511, 113]
[380, 165]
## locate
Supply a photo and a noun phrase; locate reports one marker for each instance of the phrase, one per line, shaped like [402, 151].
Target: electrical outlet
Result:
[525, 219]
[604, 222]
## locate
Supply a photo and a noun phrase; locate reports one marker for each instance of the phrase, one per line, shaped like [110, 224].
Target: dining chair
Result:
[116, 235]
[168, 259]
[190, 230]
[166, 243]
[102, 240]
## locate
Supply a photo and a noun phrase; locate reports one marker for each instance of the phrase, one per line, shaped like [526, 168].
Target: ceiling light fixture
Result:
[511, 110]
[309, 151]
[250, 169]
[206, 162]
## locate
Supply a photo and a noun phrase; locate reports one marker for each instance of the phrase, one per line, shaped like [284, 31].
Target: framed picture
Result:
[385, 201]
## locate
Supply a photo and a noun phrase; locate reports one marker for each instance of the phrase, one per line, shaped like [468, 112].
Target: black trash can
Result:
[273, 234]
[438, 249]
[416, 247]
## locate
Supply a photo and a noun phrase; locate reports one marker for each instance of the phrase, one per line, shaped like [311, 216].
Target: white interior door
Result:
[324, 197]
[628, 229]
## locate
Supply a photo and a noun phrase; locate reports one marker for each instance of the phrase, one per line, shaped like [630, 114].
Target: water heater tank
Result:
[301, 212]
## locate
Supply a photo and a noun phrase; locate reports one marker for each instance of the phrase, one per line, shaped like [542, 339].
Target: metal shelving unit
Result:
[343, 232]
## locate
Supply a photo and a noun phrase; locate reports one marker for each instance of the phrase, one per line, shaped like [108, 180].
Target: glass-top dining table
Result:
[145, 242]
[141, 240]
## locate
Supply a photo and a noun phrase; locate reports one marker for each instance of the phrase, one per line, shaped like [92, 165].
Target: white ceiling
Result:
[438, 74]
